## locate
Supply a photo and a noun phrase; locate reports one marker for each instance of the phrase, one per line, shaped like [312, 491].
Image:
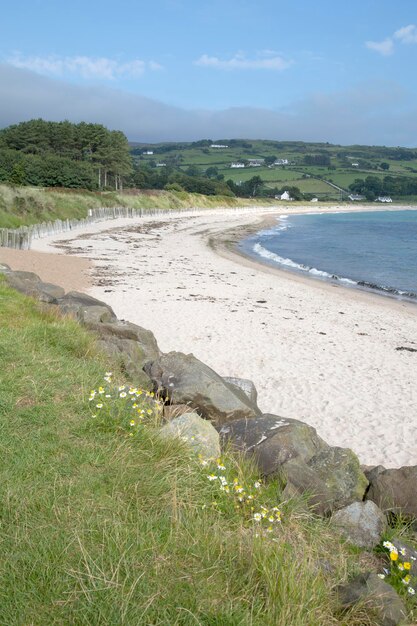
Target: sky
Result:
[182, 70]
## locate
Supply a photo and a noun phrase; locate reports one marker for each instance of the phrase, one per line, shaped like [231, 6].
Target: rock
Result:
[395, 490]
[375, 594]
[4, 267]
[132, 345]
[31, 285]
[372, 471]
[197, 432]
[121, 331]
[86, 309]
[292, 450]
[130, 357]
[48, 290]
[340, 470]
[361, 523]
[273, 440]
[183, 379]
[29, 277]
[245, 385]
[300, 479]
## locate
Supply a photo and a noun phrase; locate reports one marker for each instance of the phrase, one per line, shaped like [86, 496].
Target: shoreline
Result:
[317, 352]
[226, 245]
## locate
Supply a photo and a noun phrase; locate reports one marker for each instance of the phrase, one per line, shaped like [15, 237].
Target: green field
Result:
[339, 169]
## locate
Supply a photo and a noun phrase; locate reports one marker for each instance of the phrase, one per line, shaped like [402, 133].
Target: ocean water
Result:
[370, 250]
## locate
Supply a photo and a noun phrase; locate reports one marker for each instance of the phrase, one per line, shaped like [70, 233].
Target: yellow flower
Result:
[393, 556]
[132, 422]
[407, 565]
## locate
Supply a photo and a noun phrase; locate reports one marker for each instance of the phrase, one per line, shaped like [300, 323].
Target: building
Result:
[355, 197]
[284, 196]
[256, 162]
[148, 152]
[383, 199]
[237, 165]
[314, 200]
[161, 165]
[281, 162]
[218, 145]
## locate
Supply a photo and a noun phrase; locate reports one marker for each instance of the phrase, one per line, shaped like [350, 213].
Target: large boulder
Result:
[273, 440]
[131, 345]
[183, 379]
[330, 477]
[376, 594]
[361, 523]
[395, 490]
[245, 385]
[86, 309]
[31, 285]
[199, 434]
[340, 471]
[122, 332]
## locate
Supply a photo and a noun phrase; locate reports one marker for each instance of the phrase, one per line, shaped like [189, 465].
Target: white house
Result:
[355, 164]
[218, 145]
[355, 197]
[281, 162]
[314, 200]
[148, 152]
[284, 196]
[161, 165]
[383, 199]
[237, 165]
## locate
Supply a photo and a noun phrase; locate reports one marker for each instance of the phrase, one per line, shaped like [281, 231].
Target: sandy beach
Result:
[317, 352]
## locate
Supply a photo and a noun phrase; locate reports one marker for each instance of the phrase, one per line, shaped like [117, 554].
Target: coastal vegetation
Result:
[24, 205]
[105, 522]
[91, 157]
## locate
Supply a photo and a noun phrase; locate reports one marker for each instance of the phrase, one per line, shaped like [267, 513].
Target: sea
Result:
[373, 250]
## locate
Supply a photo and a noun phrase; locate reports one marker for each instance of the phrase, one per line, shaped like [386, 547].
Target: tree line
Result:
[62, 154]
[373, 186]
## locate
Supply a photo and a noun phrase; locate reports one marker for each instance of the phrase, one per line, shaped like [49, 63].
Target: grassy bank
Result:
[30, 205]
[99, 527]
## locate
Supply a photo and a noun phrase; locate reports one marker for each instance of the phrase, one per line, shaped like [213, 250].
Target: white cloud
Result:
[85, 67]
[407, 34]
[385, 47]
[240, 62]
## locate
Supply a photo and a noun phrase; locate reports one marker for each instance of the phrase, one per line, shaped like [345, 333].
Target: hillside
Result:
[307, 166]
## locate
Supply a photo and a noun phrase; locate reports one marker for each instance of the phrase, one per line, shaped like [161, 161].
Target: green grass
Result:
[100, 528]
[30, 205]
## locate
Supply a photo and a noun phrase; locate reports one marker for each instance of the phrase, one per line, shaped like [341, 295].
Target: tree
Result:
[384, 166]
[252, 186]
[212, 172]
[17, 176]
[269, 160]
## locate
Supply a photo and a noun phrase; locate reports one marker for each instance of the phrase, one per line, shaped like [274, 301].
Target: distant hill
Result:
[323, 170]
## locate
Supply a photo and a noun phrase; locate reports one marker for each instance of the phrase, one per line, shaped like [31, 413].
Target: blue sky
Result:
[183, 69]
